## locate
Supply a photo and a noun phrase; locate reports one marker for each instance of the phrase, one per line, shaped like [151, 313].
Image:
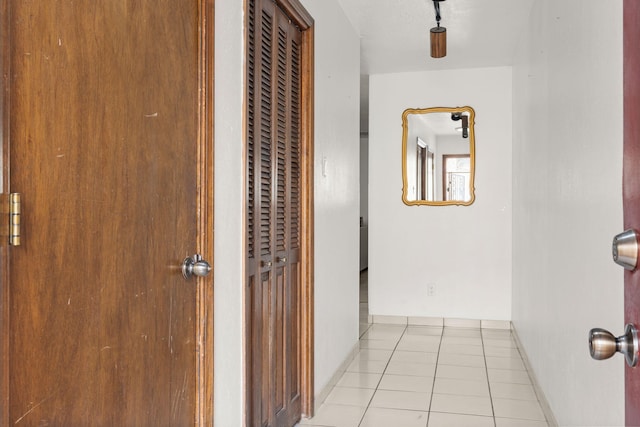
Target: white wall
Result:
[228, 271]
[337, 203]
[567, 204]
[464, 251]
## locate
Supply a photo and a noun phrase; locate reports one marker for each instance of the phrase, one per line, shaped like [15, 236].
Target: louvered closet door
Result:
[273, 222]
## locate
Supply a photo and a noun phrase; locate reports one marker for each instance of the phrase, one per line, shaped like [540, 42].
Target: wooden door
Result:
[631, 188]
[275, 225]
[105, 135]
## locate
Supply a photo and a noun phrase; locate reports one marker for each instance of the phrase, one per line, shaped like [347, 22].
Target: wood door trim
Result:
[5, 46]
[205, 206]
[204, 303]
[307, 221]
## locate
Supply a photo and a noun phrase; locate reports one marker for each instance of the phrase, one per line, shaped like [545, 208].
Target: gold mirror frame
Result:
[472, 155]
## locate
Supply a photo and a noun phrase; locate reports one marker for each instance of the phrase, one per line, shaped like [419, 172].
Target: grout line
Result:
[382, 376]
[435, 373]
[486, 370]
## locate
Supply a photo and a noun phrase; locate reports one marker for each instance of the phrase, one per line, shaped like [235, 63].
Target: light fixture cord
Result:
[436, 5]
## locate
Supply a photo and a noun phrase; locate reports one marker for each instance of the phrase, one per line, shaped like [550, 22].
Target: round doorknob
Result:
[603, 344]
[195, 266]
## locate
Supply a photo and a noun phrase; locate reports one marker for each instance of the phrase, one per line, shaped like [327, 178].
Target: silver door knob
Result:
[625, 249]
[195, 266]
[603, 344]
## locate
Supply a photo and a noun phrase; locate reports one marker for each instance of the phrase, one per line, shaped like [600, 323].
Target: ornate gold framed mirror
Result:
[438, 156]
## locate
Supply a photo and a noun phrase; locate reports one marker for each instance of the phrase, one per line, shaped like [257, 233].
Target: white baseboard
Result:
[322, 395]
[440, 321]
[542, 399]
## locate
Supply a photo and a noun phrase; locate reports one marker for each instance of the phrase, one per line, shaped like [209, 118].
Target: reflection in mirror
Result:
[438, 156]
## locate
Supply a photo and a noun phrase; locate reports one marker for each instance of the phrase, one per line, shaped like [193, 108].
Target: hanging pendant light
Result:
[438, 35]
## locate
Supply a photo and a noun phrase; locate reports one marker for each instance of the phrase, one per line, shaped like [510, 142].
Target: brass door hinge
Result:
[11, 203]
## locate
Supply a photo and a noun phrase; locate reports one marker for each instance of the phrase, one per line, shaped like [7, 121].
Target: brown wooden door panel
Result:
[104, 115]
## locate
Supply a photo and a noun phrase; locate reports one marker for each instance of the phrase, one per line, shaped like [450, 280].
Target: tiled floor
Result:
[406, 376]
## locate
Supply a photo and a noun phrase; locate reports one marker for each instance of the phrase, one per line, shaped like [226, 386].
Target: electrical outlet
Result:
[431, 289]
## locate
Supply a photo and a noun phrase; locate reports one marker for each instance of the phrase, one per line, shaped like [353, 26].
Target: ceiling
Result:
[394, 34]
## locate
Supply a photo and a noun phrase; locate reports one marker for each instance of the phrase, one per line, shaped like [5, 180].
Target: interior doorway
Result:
[364, 205]
[279, 213]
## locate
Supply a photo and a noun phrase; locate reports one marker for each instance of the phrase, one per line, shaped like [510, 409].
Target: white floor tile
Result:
[427, 346]
[362, 328]
[411, 368]
[370, 366]
[501, 351]
[461, 372]
[421, 339]
[461, 387]
[521, 409]
[462, 349]
[390, 382]
[384, 417]
[414, 356]
[513, 391]
[488, 342]
[424, 330]
[401, 400]
[388, 344]
[374, 354]
[406, 383]
[382, 334]
[388, 327]
[456, 404]
[497, 334]
[438, 419]
[359, 380]
[449, 339]
[336, 416]
[461, 360]
[509, 422]
[350, 396]
[508, 376]
[511, 363]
